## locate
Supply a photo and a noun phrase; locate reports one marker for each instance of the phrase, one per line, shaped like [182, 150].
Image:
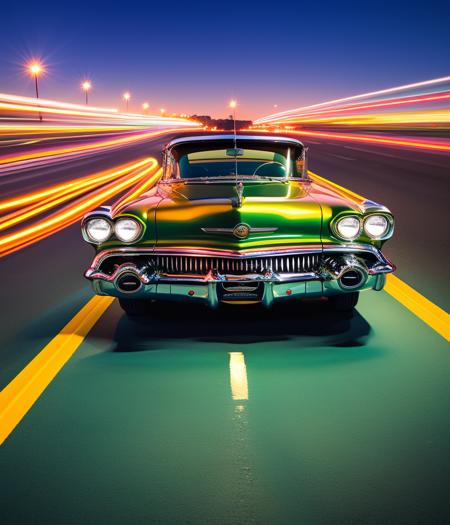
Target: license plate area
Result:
[240, 291]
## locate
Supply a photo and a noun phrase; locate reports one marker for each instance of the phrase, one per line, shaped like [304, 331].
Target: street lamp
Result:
[233, 104]
[86, 86]
[145, 107]
[162, 110]
[126, 97]
[35, 70]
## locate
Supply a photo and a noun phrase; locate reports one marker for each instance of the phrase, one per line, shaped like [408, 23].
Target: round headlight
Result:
[98, 230]
[127, 230]
[348, 228]
[376, 226]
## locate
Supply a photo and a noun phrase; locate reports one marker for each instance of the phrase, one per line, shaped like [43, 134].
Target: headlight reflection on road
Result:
[238, 376]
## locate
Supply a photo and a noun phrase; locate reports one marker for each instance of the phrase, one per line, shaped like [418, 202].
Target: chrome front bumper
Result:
[129, 281]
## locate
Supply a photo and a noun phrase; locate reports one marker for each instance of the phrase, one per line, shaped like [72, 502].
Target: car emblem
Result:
[241, 231]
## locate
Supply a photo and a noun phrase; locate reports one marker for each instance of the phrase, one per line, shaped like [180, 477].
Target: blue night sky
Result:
[195, 56]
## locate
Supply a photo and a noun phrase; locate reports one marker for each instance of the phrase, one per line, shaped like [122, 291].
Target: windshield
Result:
[259, 161]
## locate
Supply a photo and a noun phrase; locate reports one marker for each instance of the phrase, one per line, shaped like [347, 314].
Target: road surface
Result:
[238, 416]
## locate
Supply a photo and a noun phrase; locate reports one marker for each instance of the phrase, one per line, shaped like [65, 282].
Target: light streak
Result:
[428, 145]
[22, 129]
[38, 195]
[13, 104]
[72, 212]
[382, 104]
[274, 116]
[10, 161]
[137, 191]
[52, 103]
[426, 106]
[42, 201]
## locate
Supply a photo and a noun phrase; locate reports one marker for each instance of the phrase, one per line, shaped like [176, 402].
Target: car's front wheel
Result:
[344, 302]
[135, 306]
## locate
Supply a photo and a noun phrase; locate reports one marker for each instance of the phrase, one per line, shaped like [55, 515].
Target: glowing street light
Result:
[162, 110]
[145, 106]
[126, 97]
[86, 86]
[35, 69]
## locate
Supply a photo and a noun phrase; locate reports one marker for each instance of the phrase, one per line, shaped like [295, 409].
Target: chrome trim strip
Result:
[243, 254]
[272, 277]
[204, 252]
[92, 273]
[361, 248]
[228, 231]
[226, 136]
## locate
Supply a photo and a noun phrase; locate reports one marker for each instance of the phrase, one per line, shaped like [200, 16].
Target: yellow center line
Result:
[435, 317]
[419, 305]
[21, 393]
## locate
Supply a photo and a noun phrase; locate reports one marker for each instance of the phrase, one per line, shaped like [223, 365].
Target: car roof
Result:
[230, 136]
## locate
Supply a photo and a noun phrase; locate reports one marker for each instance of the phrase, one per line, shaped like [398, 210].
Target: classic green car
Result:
[238, 220]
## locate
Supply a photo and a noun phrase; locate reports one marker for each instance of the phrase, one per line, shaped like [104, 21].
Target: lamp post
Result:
[35, 70]
[86, 86]
[233, 104]
[126, 97]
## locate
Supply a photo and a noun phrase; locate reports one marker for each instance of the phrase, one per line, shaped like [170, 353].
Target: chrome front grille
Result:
[199, 265]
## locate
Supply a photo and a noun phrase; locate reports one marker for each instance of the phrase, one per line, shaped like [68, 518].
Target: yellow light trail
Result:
[70, 213]
[401, 118]
[137, 191]
[38, 195]
[58, 195]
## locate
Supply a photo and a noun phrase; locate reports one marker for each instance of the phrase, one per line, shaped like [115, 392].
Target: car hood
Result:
[204, 215]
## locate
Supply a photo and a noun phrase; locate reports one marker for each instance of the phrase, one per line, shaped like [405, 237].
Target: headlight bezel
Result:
[112, 237]
[133, 219]
[387, 234]
[88, 236]
[341, 218]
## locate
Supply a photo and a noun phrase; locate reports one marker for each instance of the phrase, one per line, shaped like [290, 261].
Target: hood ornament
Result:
[238, 200]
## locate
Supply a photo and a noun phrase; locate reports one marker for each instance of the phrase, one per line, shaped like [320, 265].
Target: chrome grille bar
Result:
[182, 264]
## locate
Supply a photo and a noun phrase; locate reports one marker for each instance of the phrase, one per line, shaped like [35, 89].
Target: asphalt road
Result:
[414, 185]
[333, 419]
